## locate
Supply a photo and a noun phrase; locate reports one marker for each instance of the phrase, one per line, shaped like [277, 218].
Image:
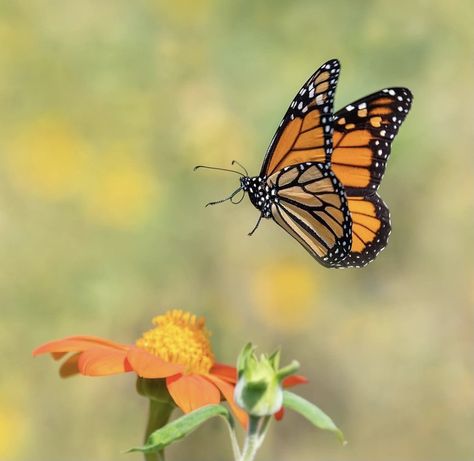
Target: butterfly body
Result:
[261, 194]
[321, 172]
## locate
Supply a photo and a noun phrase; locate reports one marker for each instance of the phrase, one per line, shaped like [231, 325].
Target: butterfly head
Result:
[260, 193]
[246, 183]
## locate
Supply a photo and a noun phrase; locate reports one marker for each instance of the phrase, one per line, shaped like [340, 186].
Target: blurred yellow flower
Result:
[47, 158]
[209, 126]
[12, 430]
[121, 191]
[184, 11]
[285, 293]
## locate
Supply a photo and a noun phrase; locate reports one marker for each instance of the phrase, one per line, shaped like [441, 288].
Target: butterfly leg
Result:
[225, 199]
[256, 226]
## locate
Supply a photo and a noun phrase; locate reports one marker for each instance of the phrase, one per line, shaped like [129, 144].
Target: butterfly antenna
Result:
[235, 162]
[216, 168]
[256, 226]
[225, 199]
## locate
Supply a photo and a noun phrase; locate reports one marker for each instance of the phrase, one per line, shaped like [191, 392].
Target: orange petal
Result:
[69, 366]
[225, 372]
[148, 365]
[76, 344]
[228, 393]
[103, 361]
[192, 391]
[294, 380]
[279, 414]
[58, 355]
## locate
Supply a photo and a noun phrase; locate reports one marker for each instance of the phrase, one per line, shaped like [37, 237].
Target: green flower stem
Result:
[252, 441]
[264, 429]
[158, 416]
[234, 441]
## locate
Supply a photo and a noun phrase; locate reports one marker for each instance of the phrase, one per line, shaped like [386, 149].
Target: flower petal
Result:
[58, 355]
[76, 344]
[228, 393]
[69, 366]
[192, 391]
[148, 365]
[103, 361]
[294, 380]
[225, 372]
[279, 414]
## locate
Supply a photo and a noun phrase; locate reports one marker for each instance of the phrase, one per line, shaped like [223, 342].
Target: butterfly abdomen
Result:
[261, 194]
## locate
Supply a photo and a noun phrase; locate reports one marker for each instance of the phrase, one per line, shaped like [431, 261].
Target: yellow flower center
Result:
[180, 337]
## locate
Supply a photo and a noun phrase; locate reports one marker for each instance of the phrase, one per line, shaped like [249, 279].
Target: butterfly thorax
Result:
[260, 193]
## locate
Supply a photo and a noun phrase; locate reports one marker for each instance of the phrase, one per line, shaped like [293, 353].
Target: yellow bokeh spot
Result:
[12, 430]
[180, 337]
[121, 190]
[184, 11]
[210, 132]
[47, 158]
[285, 294]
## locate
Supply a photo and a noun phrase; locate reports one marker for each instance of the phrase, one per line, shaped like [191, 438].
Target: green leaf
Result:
[312, 413]
[181, 427]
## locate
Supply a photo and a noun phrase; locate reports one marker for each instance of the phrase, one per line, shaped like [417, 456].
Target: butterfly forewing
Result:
[363, 133]
[305, 133]
[312, 207]
[370, 230]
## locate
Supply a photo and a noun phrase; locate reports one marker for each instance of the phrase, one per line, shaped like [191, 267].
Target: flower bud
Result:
[259, 389]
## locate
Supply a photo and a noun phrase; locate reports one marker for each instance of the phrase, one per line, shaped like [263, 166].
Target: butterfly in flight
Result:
[320, 175]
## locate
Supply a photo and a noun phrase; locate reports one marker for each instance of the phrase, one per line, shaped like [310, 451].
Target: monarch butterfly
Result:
[320, 175]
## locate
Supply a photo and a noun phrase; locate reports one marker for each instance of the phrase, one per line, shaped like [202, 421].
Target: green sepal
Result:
[274, 359]
[289, 370]
[312, 413]
[245, 355]
[181, 427]
[154, 389]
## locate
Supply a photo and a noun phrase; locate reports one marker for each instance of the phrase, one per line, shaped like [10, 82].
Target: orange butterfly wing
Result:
[370, 230]
[312, 208]
[352, 145]
[363, 133]
[305, 133]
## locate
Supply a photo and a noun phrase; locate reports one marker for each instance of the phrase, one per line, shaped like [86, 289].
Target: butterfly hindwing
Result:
[363, 133]
[370, 230]
[312, 207]
[305, 133]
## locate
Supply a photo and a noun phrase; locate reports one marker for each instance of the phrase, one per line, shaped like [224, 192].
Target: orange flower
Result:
[177, 349]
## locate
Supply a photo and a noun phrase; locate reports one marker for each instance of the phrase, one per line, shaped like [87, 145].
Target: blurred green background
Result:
[105, 107]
